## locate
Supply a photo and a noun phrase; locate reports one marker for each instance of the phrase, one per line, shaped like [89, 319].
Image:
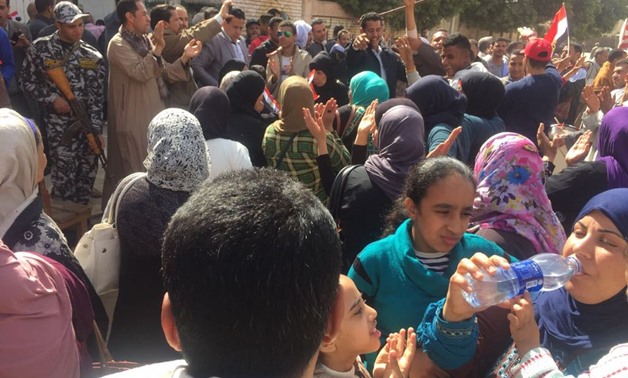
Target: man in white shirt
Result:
[619, 82]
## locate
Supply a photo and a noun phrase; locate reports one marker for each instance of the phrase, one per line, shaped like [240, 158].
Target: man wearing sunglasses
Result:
[288, 59]
[367, 53]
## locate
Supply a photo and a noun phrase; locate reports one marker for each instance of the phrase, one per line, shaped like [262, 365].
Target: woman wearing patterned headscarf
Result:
[176, 164]
[511, 206]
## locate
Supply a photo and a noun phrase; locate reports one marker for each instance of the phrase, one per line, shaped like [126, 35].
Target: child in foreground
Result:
[359, 335]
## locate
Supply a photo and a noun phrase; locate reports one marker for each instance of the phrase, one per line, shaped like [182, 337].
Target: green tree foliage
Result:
[429, 13]
[587, 18]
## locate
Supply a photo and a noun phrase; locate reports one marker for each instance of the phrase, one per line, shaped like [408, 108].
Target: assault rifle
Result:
[84, 123]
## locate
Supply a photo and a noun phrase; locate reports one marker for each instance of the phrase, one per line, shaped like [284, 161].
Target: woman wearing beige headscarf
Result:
[288, 144]
[23, 224]
[35, 319]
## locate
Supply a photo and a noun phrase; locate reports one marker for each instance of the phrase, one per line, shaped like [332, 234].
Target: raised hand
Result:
[367, 124]
[191, 50]
[547, 147]
[329, 113]
[405, 51]
[395, 358]
[317, 129]
[224, 10]
[443, 148]
[590, 98]
[523, 327]
[606, 101]
[579, 151]
[274, 68]
[158, 38]
[361, 42]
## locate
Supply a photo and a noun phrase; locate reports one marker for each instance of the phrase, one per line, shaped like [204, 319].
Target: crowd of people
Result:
[309, 207]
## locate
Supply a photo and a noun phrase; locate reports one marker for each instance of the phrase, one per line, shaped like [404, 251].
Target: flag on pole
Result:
[270, 100]
[310, 81]
[623, 36]
[559, 30]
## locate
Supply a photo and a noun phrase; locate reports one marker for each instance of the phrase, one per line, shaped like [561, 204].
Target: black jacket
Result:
[259, 54]
[365, 60]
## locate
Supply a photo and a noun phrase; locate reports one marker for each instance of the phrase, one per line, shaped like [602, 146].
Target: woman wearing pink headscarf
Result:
[37, 337]
[511, 206]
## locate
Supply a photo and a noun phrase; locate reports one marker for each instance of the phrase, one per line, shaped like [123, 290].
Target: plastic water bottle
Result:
[544, 272]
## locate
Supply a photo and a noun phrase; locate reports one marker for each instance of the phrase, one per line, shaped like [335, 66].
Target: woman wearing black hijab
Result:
[246, 124]
[484, 93]
[325, 81]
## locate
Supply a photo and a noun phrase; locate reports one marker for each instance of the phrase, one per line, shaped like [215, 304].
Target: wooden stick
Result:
[398, 8]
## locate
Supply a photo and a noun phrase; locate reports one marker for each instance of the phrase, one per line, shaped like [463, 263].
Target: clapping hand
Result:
[579, 151]
[192, 49]
[327, 112]
[158, 38]
[443, 148]
[394, 360]
[367, 125]
[317, 129]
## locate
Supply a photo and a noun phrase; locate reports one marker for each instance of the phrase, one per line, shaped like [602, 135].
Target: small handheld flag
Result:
[559, 30]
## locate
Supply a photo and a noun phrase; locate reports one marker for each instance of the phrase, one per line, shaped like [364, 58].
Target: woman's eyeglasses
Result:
[286, 33]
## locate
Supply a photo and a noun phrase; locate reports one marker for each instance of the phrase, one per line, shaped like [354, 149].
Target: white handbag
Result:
[98, 251]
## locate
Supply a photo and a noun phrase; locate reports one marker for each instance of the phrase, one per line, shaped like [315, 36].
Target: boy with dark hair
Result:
[250, 265]
[456, 58]
[259, 54]
[367, 53]
[533, 99]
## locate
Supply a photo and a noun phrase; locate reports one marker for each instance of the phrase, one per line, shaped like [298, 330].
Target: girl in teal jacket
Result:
[403, 273]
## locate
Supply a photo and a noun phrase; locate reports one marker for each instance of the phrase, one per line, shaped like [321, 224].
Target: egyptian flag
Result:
[270, 101]
[623, 36]
[559, 30]
[310, 81]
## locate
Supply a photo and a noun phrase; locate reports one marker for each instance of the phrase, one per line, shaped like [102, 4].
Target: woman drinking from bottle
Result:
[578, 323]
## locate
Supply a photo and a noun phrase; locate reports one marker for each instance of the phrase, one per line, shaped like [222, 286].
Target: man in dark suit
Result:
[368, 53]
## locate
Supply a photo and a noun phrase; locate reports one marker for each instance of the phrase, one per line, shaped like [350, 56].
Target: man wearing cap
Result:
[73, 167]
[252, 31]
[533, 99]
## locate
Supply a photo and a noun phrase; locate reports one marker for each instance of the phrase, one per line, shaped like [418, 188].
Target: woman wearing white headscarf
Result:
[23, 224]
[176, 164]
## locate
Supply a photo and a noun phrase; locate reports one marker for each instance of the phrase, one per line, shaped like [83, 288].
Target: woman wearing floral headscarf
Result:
[176, 164]
[511, 206]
